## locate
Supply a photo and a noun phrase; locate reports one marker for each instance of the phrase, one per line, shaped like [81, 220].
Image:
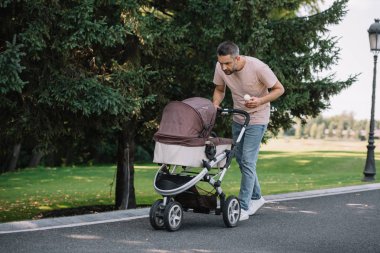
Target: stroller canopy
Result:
[187, 123]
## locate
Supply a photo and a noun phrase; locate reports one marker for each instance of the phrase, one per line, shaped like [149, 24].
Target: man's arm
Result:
[276, 91]
[218, 96]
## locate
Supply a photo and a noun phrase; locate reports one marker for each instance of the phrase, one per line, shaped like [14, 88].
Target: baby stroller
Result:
[189, 153]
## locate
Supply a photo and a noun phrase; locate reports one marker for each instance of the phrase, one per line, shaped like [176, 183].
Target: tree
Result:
[297, 48]
[299, 128]
[313, 130]
[103, 65]
[11, 68]
[331, 129]
[321, 131]
[80, 69]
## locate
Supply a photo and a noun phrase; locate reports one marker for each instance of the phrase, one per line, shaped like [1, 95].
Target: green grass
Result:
[27, 193]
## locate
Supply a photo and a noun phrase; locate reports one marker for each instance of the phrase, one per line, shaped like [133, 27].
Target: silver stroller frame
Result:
[168, 212]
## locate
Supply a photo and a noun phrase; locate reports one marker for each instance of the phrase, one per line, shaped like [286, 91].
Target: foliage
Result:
[73, 63]
[78, 73]
[9, 75]
[297, 48]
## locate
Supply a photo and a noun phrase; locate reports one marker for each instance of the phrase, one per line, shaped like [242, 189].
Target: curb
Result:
[321, 193]
[132, 214]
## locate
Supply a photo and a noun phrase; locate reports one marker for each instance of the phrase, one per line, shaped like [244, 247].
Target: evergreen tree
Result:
[71, 68]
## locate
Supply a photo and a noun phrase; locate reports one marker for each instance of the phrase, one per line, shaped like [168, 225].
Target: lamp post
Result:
[374, 42]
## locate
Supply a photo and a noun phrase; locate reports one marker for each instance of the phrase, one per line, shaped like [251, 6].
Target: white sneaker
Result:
[255, 205]
[243, 215]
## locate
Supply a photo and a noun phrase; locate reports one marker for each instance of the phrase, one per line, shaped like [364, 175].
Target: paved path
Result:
[115, 216]
[335, 220]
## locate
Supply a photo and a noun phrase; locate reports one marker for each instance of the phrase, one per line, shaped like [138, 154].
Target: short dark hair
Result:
[227, 48]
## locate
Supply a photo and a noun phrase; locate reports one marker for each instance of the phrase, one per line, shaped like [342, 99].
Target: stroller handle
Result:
[245, 114]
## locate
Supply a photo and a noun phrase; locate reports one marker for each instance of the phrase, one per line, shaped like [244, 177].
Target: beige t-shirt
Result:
[254, 79]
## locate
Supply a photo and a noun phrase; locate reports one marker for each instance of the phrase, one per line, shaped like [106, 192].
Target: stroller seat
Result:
[189, 156]
[184, 132]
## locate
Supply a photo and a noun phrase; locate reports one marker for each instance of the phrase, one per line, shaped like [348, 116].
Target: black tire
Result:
[231, 211]
[156, 215]
[173, 216]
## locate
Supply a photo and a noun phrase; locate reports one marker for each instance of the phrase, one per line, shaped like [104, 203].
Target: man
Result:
[248, 79]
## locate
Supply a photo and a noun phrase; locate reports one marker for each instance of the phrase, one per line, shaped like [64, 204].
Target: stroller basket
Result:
[192, 199]
[173, 184]
[170, 182]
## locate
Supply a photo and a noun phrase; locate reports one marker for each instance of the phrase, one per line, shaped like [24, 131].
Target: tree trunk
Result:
[14, 159]
[132, 196]
[125, 191]
[36, 158]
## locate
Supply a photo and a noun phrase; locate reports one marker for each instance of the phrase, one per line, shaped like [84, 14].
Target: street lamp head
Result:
[374, 36]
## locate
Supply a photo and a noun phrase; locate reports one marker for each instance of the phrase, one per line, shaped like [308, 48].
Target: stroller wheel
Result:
[173, 216]
[231, 211]
[156, 214]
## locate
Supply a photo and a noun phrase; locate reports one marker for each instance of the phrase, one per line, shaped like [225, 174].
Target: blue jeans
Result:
[247, 152]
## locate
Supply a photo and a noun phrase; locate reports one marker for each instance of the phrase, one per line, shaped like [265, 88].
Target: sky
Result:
[355, 58]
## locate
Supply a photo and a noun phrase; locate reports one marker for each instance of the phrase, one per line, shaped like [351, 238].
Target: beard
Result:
[230, 71]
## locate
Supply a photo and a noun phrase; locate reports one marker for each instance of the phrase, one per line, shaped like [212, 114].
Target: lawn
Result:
[29, 193]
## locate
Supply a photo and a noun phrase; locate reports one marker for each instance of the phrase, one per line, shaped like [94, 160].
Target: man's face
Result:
[228, 63]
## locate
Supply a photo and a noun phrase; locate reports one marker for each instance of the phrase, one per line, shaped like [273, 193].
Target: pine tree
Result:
[71, 68]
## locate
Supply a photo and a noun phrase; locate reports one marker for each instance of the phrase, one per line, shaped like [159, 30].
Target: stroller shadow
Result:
[205, 222]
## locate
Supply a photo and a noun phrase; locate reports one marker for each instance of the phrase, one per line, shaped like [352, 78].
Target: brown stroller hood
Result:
[187, 123]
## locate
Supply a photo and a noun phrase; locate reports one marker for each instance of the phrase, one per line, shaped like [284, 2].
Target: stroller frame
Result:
[177, 197]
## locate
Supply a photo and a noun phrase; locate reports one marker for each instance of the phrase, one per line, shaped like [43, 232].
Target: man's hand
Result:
[276, 91]
[217, 107]
[253, 102]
